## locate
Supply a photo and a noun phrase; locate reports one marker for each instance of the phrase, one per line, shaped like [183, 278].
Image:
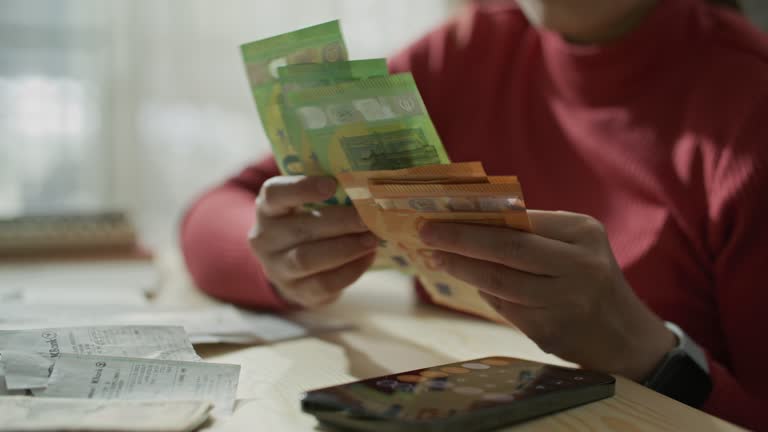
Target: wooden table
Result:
[391, 333]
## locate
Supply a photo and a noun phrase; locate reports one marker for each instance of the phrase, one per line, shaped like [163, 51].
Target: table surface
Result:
[391, 333]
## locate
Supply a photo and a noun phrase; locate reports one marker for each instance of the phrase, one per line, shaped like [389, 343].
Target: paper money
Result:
[452, 198]
[307, 75]
[325, 115]
[394, 204]
[123, 378]
[318, 44]
[310, 75]
[29, 355]
[27, 414]
[357, 187]
[376, 123]
[372, 124]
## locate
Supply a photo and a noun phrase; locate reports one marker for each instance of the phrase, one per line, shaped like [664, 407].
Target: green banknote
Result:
[319, 44]
[306, 75]
[310, 75]
[365, 125]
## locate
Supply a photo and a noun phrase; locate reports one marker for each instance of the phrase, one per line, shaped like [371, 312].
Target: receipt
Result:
[122, 378]
[21, 414]
[28, 355]
[214, 324]
[3, 388]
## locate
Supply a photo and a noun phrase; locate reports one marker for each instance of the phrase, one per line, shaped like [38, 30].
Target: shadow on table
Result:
[373, 351]
[376, 353]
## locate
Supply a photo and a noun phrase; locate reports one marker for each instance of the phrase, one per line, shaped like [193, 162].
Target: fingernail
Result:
[369, 240]
[326, 185]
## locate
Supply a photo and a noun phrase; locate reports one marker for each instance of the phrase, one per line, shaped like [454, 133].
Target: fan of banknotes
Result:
[327, 115]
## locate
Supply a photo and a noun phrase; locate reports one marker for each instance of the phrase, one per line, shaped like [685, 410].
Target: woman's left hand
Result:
[560, 285]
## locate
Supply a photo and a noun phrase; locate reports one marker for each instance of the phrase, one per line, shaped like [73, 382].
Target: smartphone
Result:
[474, 395]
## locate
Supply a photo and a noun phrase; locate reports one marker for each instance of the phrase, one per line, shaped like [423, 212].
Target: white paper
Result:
[11, 295]
[116, 282]
[123, 378]
[215, 324]
[84, 295]
[270, 328]
[22, 414]
[96, 274]
[3, 388]
[28, 355]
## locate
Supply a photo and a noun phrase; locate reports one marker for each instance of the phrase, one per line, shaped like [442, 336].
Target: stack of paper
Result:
[148, 363]
[213, 324]
[125, 378]
[325, 115]
[394, 204]
[29, 355]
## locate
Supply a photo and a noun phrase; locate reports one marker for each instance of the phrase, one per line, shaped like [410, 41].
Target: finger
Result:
[324, 288]
[500, 281]
[565, 226]
[533, 322]
[280, 195]
[509, 310]
[516, 249]
[280, 234]
[323, 255]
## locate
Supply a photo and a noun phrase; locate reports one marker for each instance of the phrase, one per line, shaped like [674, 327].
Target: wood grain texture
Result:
[392, 334]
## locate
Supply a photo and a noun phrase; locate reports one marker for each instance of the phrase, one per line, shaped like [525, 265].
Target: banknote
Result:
[317, 44]
[476, 197]
[124, 378]
[395, 212]
[307, 75]
[378, 123]
[28, 414]
[357, 186]
[29, 355]
[370, 124]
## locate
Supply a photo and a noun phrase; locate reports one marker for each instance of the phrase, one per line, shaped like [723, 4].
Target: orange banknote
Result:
[394, 204]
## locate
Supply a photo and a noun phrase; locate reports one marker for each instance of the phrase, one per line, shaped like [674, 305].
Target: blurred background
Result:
[141, 104]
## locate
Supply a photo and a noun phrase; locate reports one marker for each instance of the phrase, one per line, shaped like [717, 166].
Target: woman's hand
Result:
[561, 286]
[309, 257]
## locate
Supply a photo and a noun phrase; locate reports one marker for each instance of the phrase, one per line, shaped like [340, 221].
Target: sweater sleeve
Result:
[739, 237]
[214, 241]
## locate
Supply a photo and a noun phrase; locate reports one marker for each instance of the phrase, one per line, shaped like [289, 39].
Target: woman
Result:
[644, 119]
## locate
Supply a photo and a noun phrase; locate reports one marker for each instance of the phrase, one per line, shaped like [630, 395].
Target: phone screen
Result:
[460, 389]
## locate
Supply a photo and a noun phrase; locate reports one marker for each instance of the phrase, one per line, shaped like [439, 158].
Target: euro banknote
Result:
[370, 124]
[394, 205]
[306, 75]
[318, 44]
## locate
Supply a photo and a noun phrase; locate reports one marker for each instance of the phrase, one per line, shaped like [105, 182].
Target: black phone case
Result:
[333, 416]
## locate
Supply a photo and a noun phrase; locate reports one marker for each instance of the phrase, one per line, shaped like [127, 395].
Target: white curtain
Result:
[142, 104]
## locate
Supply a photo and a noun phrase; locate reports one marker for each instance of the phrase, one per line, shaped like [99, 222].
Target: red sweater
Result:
[662, 136]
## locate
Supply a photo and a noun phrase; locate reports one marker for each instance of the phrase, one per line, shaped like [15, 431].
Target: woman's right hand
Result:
[310, 257]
